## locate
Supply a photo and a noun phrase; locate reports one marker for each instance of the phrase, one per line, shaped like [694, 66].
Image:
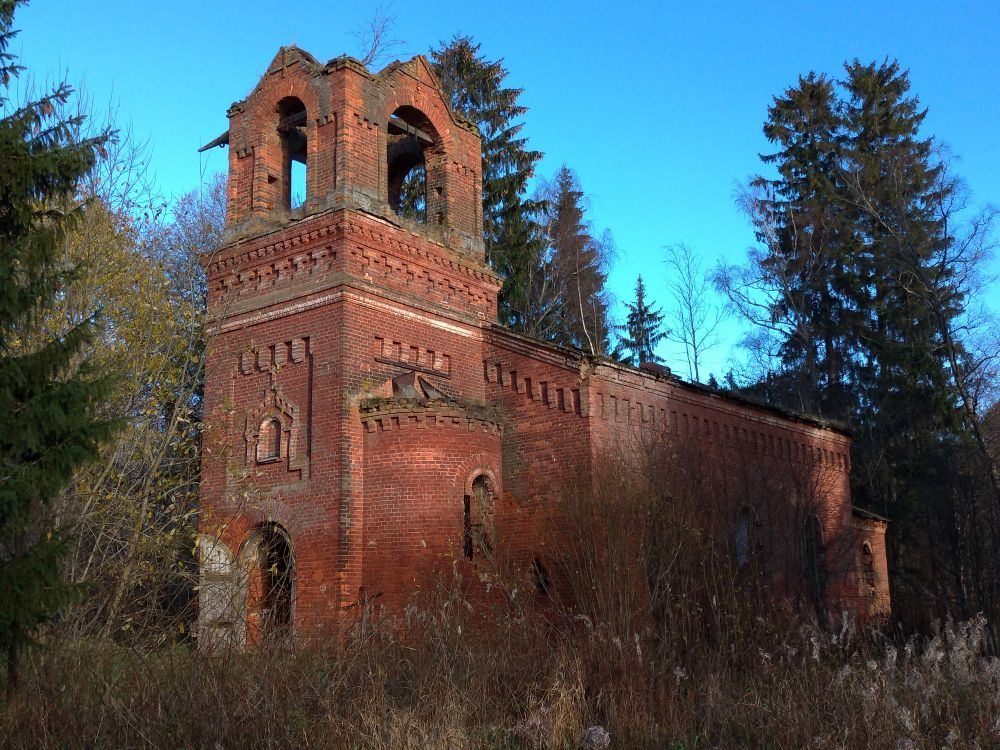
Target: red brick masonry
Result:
[368, 424]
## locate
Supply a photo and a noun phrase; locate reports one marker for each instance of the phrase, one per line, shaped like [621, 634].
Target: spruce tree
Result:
[855, 185]
[577, 260]
[908, 417]
[857, 264]
[475, 89]
[799, 219]
[890, 194]
[47, 393]
[643, 329]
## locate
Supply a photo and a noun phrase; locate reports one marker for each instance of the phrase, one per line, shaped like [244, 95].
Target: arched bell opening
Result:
[415, 167]
[293, 136]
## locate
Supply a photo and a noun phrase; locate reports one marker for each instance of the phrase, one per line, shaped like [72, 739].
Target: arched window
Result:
[815, 562]
[478, 520]
[746, 520]
[415, 177]
[269, 440]
[292, 133]
[867, 568]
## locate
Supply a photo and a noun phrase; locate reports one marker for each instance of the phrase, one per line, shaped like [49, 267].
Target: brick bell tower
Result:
[347, 448]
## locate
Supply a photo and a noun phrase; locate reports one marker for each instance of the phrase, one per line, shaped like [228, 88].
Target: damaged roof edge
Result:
[220, 140]
[572, 353]
[868, 515]
[348, 61]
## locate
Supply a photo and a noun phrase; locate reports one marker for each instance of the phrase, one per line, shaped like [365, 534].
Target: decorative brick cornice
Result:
[251, 275]
[431, 252]
[249, 252]
[553, 354]
[555, 394]
[380, 414]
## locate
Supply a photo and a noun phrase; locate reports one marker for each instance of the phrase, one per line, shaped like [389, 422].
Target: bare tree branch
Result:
[694, 314]
[375, 38]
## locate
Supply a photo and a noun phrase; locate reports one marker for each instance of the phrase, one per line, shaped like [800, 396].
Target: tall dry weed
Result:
[657, 636]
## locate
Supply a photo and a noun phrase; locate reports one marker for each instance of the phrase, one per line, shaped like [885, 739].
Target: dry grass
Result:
[660, 640]
[522, 688]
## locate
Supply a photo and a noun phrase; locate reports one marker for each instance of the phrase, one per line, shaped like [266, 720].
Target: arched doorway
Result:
[269, 568]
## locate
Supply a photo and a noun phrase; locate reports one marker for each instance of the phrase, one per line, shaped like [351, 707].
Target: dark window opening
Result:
[744, 536]
[815, 559]
[868, 567]
[269, 440]
[294, 152]
[541, 576]
[277, 570]
[467, 529]
[478, 520]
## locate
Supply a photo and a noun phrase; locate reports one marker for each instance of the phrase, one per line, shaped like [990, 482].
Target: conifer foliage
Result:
[861, 281]
[572, 268]
[48, 395]
[800, 225]
[643, 328]
[856, 201]
[475, 88]
[552, 265]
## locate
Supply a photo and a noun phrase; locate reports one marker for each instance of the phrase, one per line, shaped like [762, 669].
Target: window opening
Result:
[541, 576]
[298, 184]
[478, 520]
[294, 152]
[269, 440]
[815, 562]
[868, 567]
[409, 141]
[744, 536]
[467, 545]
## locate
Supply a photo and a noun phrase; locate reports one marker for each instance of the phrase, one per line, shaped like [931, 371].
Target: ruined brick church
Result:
[368, 422]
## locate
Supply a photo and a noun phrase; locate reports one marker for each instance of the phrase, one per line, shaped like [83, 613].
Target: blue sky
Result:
[657, 106]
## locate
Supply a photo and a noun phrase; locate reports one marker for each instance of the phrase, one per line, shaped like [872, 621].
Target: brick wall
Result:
[568, 416]
[420, 462]
[736, 457]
